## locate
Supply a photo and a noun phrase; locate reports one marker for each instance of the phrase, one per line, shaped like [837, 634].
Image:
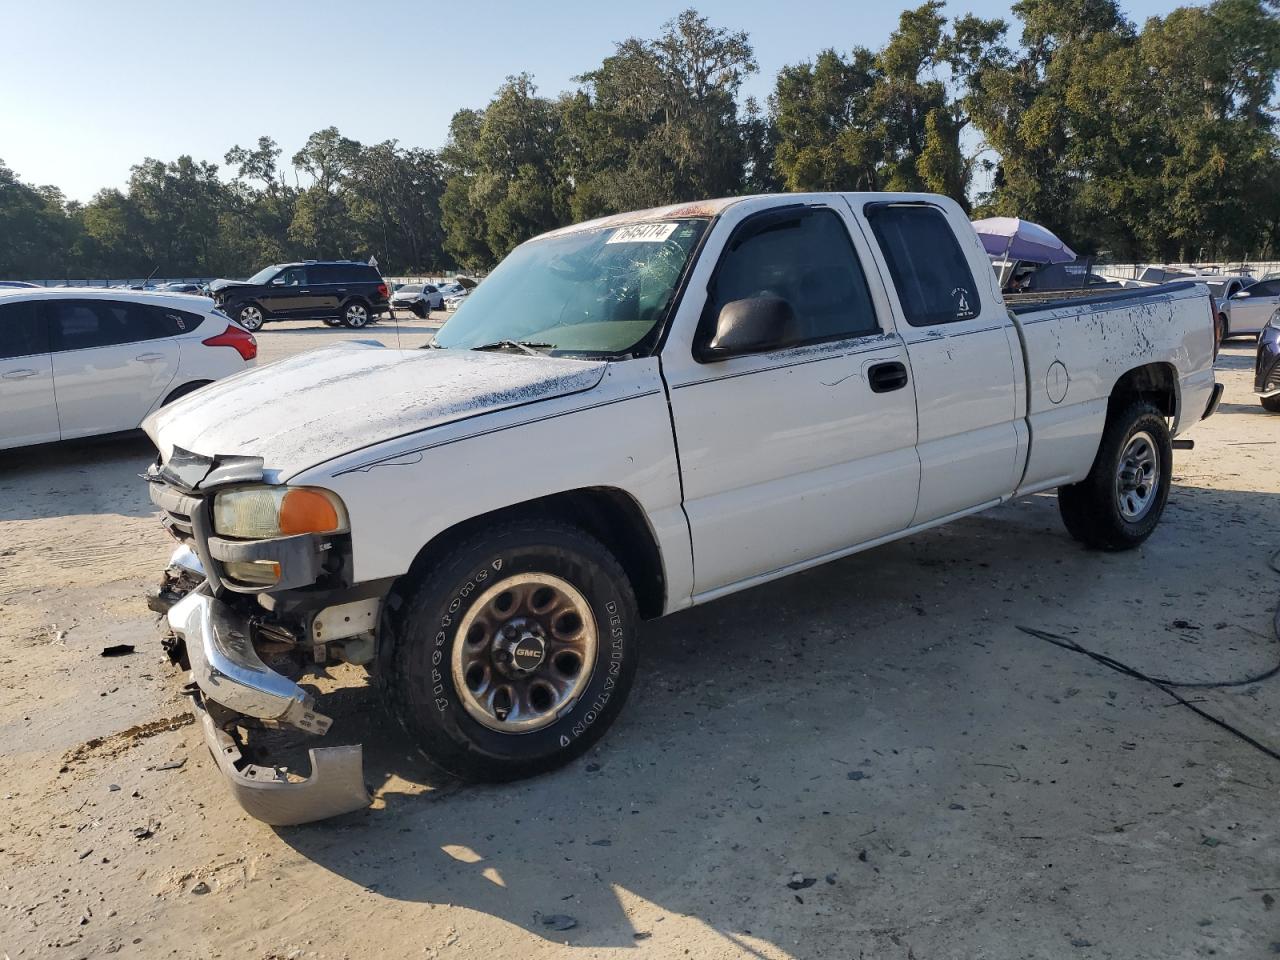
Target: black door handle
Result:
[887, 376]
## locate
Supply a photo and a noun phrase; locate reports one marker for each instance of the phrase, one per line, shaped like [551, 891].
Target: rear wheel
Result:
[1120, 502]
[514, 653]
[250, 317]
[355, 315]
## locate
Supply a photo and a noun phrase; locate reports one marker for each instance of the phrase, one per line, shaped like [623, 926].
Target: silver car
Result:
[1247, 311]
[421, 298]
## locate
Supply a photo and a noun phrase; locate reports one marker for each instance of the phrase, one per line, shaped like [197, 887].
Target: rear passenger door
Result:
[113, 360]
[966, 362]
[28, 413]
[329, 288]
[807, 450]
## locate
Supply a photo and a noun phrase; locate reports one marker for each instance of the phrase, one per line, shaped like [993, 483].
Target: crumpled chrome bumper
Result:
[230, 680]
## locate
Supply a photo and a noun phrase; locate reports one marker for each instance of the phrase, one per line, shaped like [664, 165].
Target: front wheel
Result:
[250, 317]
[355, 315]
[1271, 403]
[1120, 502]
[514, 653]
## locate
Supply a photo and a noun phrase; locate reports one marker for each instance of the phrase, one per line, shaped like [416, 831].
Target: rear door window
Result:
[326, 274]
[85, 324]
[928, 268]
[23, 332]
[176, 322]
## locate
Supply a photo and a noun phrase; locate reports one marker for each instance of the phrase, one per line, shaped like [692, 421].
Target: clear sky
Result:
[90, 87]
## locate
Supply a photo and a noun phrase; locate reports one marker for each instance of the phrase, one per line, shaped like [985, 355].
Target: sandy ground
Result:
[866, 760]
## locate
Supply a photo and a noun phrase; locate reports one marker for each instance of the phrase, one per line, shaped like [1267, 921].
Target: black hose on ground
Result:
[1167, 685]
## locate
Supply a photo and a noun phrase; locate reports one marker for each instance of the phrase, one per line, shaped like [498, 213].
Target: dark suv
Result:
[336, 291]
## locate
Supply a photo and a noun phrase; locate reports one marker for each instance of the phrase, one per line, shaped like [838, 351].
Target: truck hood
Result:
[318, 405]
[218, 285]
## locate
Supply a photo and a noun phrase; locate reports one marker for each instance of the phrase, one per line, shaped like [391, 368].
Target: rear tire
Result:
[355, 315]
[489, 687]
[1120, 502]
[1271, 403]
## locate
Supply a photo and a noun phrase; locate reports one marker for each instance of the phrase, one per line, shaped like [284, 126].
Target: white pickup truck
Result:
[628, 417]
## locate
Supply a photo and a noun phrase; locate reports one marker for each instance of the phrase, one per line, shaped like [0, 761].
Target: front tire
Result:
[355, 315]
[251, 317]
[1120, 502]
[514, 653]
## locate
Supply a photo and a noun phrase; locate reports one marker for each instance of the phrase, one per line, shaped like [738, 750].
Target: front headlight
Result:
[1274, 322]
[265, 512]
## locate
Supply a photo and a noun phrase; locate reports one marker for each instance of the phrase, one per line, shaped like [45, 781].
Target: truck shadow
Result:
[803, 749]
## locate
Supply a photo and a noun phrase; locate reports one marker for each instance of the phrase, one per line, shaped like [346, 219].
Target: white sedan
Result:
[80, 362]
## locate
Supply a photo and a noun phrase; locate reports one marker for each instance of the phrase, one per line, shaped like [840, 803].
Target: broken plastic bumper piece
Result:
[230, 681]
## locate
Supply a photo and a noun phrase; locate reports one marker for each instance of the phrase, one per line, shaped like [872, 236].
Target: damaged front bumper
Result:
[230, 681]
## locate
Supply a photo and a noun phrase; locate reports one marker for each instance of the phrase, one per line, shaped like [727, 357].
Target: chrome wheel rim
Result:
[251, 318]
[356, 315]
[1137, 476]
[524, 652]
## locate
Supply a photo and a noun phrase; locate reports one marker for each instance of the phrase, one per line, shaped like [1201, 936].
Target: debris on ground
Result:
[798, 882]
[559, 921]
[118, 650]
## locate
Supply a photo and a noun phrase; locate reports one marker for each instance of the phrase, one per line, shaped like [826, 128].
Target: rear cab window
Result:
[23, 332]
[929, 269]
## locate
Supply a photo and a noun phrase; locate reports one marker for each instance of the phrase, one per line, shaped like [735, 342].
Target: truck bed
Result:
[1022, 304]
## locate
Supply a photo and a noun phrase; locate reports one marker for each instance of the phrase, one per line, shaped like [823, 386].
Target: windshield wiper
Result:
[524, 346]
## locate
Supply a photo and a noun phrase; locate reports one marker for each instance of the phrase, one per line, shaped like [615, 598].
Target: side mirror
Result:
[1241, 294]
[753, 325]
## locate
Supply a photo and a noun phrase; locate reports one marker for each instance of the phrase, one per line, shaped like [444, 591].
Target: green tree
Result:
[886, 120]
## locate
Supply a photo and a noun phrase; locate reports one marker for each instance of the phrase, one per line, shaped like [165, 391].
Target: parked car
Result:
[837, 370]
[74, 363]
[420, 298]
[1266, 371]
[19, 284]
[454, 300]
[1248, 310]
[337, 291]
[179, 287]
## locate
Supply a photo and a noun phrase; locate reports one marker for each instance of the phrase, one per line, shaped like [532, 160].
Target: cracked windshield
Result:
[594, 292]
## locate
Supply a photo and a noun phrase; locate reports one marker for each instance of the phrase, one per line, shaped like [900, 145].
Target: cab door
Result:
[289, 294]
[113, 360]
[806, 450]
[28, 412]
[966, 361]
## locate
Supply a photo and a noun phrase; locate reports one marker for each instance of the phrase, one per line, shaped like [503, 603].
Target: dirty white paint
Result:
[326, 403]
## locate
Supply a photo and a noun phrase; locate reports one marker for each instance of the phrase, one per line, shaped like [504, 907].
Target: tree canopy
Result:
[1153, 141]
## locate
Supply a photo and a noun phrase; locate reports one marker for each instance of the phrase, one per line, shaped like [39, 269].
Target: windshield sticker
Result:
[643, 233]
